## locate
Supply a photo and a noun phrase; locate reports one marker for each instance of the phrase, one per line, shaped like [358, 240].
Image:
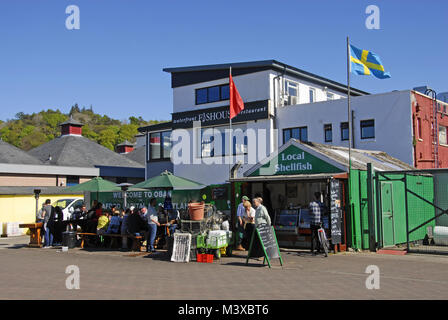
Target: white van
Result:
[68, 206]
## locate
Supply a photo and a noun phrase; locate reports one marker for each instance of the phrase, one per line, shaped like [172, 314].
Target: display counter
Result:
[292, 227]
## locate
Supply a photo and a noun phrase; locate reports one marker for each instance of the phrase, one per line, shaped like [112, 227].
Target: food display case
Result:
[286, 221]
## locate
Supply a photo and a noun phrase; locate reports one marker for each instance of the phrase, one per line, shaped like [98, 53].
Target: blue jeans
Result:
[151, 236]
[48, 237]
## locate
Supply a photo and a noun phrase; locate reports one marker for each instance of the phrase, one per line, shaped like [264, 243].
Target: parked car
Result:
[69, 206]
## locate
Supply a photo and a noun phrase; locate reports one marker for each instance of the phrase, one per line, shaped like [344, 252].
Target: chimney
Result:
[71, 127]
[125, 147]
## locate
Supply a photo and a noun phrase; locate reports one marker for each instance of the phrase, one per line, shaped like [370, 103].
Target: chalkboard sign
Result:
[335, 212]
[219, 193]
[264, 244]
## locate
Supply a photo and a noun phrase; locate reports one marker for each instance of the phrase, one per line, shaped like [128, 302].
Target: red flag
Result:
[236, 103]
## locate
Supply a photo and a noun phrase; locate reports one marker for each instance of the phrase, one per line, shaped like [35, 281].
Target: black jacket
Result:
[136, 223]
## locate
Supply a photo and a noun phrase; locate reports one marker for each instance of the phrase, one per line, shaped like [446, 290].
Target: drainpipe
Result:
[353, 131]
[274, 82]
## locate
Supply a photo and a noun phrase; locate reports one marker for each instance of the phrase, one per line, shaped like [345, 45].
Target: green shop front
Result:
[288, 179]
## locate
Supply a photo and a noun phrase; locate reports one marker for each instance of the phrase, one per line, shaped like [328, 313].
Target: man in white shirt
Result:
[153, 223]
[240, 223]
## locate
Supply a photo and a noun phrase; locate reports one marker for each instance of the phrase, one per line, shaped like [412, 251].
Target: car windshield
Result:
[62, 203]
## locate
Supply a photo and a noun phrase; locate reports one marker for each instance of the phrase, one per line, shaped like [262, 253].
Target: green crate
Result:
[200, 241]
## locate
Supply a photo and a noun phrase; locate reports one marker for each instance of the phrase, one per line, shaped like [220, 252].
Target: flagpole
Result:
[230, 130]
[349, 120]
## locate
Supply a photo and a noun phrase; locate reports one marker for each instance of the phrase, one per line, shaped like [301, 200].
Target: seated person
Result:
[173, 218]
[136, 225]
[114, 224]
[103, 223]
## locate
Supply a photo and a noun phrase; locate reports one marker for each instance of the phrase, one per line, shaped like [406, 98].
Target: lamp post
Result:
[36, 196]
[124, 187]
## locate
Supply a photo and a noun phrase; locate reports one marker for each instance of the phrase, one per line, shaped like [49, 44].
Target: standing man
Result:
[40, 219]
[315, 210]
[261, 213]
[240, 223]
[46, 215]
[153, 223]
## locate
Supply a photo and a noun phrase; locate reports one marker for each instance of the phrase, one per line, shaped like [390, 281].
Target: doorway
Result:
[387, 214]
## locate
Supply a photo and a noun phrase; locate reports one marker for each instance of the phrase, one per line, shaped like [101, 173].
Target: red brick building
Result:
[430, 126]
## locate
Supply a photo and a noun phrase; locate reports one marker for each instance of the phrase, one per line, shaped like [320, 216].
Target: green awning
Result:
[168, 180]
[97, 184]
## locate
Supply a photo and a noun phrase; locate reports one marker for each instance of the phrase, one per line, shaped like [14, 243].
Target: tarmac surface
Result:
[30, 273]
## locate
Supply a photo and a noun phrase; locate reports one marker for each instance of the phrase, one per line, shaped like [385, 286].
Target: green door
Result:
[387, 212]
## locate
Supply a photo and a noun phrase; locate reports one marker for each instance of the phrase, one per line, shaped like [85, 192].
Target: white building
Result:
[201, 93]
[380, 122]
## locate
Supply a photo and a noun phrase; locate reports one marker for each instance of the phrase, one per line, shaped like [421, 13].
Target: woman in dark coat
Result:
[56, 225]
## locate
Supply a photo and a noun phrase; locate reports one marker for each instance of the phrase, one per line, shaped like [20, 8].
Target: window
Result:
[419, 128]
[166, 144]
[344, 131]
[72, 181]
[215, 142]
[328, 133]
[295, 133]
[367, 129]
[312, 95]
[330, 96]
[442, 135]
[212, 94]
[291, 88]
[160, 145]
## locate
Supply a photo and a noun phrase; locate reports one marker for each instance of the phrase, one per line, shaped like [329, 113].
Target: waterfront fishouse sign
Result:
[214, 116]
[294, 160]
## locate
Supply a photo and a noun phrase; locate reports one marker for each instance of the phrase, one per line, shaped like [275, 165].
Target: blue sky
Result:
[114, 62]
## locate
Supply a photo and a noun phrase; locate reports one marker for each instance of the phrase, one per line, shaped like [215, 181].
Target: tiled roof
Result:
[12, 154]
[78, 151]
[137, 155]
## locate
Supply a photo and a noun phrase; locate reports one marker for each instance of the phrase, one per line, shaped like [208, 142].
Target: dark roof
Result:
[71, 121]
[125, 143]
[196, 74]
[157, 127]
[78, 151]
[12, 154]
[137, 155]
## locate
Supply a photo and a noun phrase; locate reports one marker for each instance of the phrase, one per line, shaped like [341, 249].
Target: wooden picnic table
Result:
[35, 235]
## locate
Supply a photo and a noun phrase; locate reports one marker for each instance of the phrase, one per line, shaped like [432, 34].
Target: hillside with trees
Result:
[28, 131]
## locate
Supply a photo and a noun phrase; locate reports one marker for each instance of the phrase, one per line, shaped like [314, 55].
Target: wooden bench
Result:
[136, 240]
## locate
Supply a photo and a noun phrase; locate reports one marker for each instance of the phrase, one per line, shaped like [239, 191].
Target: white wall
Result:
[219, 173]
[391, 112]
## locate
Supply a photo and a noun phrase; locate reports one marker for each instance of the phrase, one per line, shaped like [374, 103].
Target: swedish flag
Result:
[365, 62]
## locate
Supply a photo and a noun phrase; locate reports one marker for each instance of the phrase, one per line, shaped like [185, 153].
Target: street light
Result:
[36, 196]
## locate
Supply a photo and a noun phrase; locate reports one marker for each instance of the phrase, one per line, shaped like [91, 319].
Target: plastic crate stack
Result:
[196, 229]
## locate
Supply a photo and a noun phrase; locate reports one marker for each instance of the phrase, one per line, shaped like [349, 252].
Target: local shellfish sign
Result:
[294, 160]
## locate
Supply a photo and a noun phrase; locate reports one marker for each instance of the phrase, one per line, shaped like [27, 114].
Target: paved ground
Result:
[27, 273]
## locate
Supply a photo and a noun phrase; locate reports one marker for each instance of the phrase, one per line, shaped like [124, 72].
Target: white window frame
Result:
[443, 142]
[311, 89]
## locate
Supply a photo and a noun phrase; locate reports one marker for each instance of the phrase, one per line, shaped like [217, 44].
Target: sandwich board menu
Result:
[264, 243]
[335, 212]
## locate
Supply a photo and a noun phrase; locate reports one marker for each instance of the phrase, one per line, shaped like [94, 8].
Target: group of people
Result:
[250, 215]
[130, 221]
[49, 216]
